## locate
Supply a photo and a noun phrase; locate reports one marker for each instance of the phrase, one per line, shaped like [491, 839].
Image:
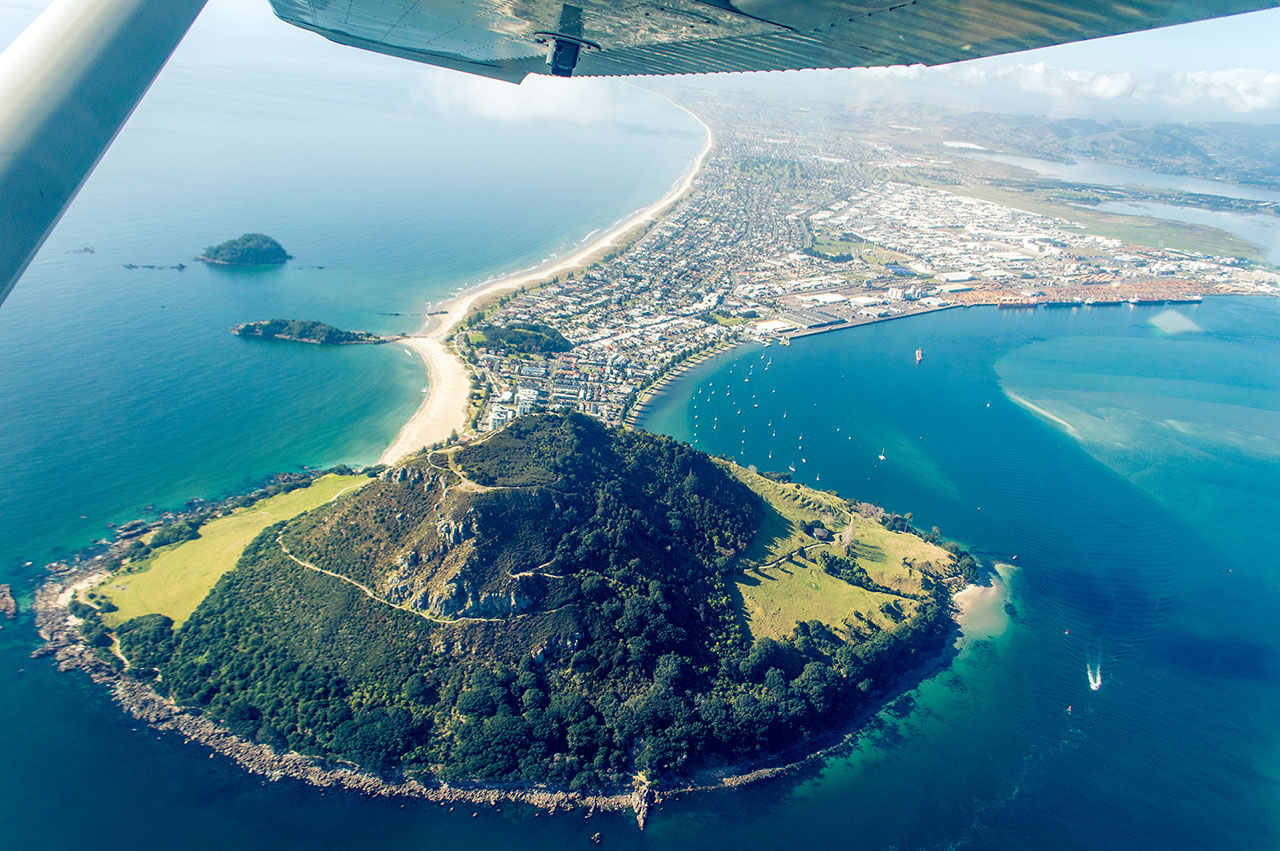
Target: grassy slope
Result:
[176, 579]
[775, 595]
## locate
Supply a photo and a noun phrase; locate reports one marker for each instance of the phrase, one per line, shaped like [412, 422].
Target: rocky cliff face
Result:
[427, 538]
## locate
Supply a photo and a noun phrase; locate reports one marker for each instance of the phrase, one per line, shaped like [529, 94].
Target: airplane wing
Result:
[70, 81]
[509, 39]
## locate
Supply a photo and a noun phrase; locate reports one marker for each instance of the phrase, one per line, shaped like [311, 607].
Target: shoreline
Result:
[662, 385]
[443, 409]
[60, 631]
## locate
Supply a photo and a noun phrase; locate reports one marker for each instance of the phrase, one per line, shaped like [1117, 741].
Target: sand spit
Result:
[444, 406]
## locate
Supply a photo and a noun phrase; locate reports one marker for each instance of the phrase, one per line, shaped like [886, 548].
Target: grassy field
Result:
[881, 554]
[1137, 230]
[781, 582]
[868, 252]
[177, 578]
[775, 598]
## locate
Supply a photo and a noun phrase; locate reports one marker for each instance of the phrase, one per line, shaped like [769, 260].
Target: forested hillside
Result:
[559, 603]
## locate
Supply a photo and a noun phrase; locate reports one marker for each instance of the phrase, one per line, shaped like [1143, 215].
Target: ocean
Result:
[1126, 457]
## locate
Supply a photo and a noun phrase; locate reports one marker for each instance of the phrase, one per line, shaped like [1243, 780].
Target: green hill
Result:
[250, 249]
[523, 337]
[559, 603]
[304, 331]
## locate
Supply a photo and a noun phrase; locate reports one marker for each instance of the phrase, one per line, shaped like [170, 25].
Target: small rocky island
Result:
[250, 249]
[305, 331]
[563, 614]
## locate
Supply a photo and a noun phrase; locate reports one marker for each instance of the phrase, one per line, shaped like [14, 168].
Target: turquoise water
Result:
[1137, 482]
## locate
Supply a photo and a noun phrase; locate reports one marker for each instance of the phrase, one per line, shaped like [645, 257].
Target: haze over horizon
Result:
[1220, 70]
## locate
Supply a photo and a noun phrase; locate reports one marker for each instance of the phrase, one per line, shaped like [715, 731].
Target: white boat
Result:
[881, 454]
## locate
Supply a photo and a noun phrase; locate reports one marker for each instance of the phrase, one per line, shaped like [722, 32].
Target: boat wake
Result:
[1094, 672]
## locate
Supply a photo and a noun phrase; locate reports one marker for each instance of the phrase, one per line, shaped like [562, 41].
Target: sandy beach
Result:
[444, 406]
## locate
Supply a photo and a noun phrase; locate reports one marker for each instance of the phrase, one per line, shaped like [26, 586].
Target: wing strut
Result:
[67, 85]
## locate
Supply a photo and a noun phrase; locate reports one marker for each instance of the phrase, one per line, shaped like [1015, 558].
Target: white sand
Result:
[444, 407]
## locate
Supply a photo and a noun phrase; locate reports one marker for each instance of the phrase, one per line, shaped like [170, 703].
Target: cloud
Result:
[582, 100]
[1041, 78]
[1239, 90]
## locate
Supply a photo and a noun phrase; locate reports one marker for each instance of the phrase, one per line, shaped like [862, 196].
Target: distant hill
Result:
[526, 337]
[304, 331]
[250, 249]
[1248, 154]
[559, 603]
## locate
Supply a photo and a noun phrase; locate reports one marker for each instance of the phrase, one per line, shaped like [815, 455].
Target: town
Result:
[791, 229]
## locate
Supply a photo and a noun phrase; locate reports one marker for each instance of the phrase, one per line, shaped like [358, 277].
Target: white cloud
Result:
[1239, 89]
[581, 100]
[1041, 78]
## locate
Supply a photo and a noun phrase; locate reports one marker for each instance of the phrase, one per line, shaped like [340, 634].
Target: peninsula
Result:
[306, 331]
[563, 607]
[250, 249]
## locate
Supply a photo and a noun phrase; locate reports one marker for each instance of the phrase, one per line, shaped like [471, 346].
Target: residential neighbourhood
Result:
[790, 230]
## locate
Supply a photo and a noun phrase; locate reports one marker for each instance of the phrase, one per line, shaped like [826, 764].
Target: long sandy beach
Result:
[444, 405]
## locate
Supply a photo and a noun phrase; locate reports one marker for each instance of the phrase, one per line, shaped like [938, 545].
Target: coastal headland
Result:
[306, 331]
[888, 595]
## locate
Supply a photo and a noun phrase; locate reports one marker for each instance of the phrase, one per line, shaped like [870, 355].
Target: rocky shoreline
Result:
[60, 631]
[311, 333]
